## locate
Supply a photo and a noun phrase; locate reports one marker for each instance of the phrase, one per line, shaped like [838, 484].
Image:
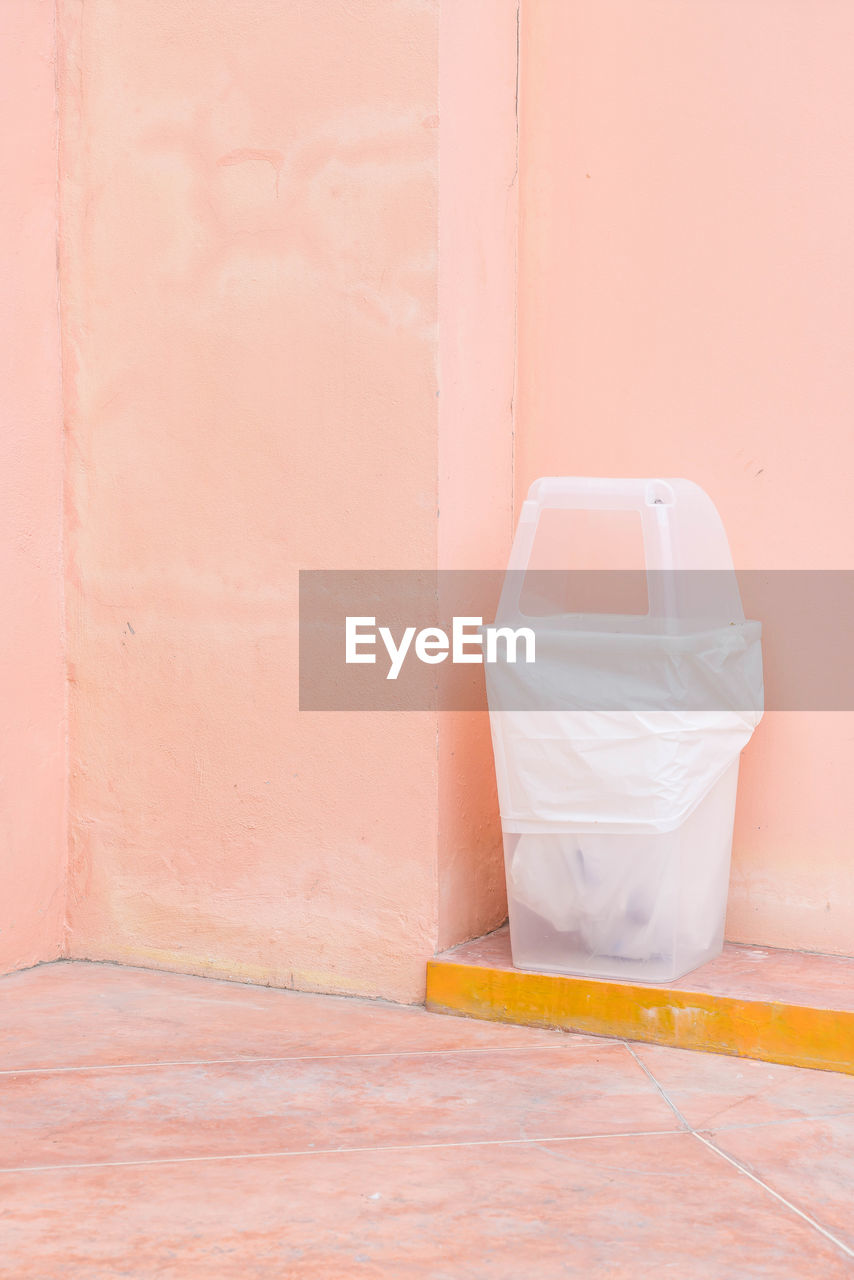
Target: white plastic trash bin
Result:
[617, 748]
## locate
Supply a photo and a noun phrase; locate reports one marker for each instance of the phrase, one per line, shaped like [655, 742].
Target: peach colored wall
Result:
[32, 687]
[249, 265]
[686, 274]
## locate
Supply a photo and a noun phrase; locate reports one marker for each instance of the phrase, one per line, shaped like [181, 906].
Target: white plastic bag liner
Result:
[621, 728]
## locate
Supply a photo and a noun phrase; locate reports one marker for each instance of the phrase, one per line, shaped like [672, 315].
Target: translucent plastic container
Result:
[635, 906]
[617, 812]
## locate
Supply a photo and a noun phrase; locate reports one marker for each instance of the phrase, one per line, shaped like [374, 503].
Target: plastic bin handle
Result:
[681, 530]
[653, 500]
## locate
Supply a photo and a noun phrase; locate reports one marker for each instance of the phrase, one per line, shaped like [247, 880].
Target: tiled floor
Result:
[155, 1125]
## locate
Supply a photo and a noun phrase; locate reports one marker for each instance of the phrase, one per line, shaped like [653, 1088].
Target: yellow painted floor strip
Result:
[773, 1017]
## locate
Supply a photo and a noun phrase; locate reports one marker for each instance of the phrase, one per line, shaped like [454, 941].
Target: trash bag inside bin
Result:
[621, 728]
[635, 896]
[614, 902]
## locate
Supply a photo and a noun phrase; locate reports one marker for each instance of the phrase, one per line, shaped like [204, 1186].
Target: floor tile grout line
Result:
[340, 1151]
[303, 1057]
[737, 1164]
[742, 1168]
[708, 1127]
[821, 1117]
[661, 1090]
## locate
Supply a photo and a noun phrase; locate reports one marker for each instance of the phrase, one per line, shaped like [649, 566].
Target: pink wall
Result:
[288, 268]
[250, 274]
[32, 688]
[686, 275]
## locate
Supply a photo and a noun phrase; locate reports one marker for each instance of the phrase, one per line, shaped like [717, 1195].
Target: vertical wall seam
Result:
[63, 615]
[437, 747]
[515, 185]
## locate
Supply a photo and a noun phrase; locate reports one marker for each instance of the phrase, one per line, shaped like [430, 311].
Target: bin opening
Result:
[586, 562]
